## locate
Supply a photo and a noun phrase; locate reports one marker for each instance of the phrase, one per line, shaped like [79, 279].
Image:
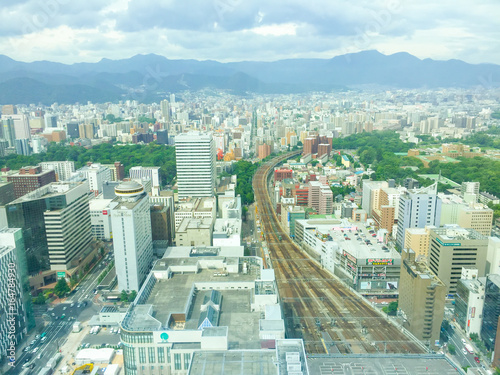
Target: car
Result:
[374, 235]
[43, 339]
[476, 359]
[26, 349]
[39, 356]
[464, 351]
[119, 330]
[64, 308]
[79, 305]
[72, 305]
[463, 341]
[37, 337]
[53, 314]
[35, 350]
[62, 316]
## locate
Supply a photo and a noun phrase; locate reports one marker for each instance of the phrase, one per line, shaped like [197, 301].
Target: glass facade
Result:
[491, 311]
[461, 303]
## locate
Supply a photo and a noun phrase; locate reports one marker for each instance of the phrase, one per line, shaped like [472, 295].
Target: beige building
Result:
[194, 232]
[195, 208]
[417, 239]
[421, 298]
[451, 248]
[476, 216]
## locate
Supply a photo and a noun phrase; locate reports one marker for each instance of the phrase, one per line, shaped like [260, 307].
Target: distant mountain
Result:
[150, 77]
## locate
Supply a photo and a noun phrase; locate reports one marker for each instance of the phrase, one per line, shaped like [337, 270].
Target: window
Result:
[187, 359]
[142, 355]
[151, 355]
[161, 355]
[177, 361]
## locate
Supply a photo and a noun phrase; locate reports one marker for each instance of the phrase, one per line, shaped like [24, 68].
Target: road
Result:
[85, 305]
[455, 338]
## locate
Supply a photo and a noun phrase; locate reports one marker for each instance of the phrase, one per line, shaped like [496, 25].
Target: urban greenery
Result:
[61, 288]
[128, 297]
[244, 170]
[391, 309]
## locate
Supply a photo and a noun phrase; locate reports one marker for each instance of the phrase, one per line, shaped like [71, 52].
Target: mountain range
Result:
[148, 78]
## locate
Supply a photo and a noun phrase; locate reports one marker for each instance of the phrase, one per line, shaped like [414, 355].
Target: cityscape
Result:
[261, 188]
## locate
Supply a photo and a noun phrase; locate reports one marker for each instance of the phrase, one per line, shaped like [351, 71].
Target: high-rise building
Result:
[320, 198]
[132, 236]
[86, 131]
[418, 208]
[195, 161]
[148, 173]
[165, 110]
[469, 303]
[371, 194]
[29, 179]
[50, 121]
[21, 125]
[417, 239]
[491, 312]
[73, 130]
[16, 315]
[23, 147]
[451, 248]
[476, 216]
[96, 174]
[161, 223]
[63, 169]
[6, 192]
[9, 109]
[162, 137]
[54, 223]
[8, 132]
[67, 226]
[421, 298]
[469, 188]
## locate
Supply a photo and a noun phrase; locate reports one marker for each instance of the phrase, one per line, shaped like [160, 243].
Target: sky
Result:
[72, 31]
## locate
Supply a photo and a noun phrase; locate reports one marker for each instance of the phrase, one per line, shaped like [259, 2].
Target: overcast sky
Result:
[233, 30]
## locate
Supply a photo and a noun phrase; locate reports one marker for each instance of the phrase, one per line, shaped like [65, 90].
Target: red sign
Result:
[104, 212]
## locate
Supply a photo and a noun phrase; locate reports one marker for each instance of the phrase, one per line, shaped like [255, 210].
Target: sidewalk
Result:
[69, 348]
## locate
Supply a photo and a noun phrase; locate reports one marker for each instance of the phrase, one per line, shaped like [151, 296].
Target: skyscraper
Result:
[418, 208]
[132, 237]
[196, 173]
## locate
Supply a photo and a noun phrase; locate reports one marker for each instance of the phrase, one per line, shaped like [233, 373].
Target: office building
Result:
[16, 315]
[132, 238]
[73, 130]
[289, 214]
[21, 125]
[8, 132]
[469, 303]
[117, 171]
[165, 110]
[9, 109]
[29, 179]
[451, 248]
[162, 137]
[476, 216]
[86, 131]
[421, 298]
[491, 312]
[23, 147]
[417, 239]
[162, 223]
[6, 192]
[418, 208]
[470, 188]
[320, 198]
[195, 161]
[96, 174]
[148, 173]
[50, 121]
[63, 169]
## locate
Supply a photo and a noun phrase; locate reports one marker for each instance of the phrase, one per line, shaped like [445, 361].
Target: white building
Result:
[227, 232]
[132, 238]
[96, 174]
[63, 169]
[195, 161]
[100, 219]
[198, 208]
[149, 173]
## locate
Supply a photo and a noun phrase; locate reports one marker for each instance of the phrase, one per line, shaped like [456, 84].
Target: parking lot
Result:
[103, 337]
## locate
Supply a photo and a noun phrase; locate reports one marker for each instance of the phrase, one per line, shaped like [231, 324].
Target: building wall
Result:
[417, 240]
[477, 217]
[491, 310]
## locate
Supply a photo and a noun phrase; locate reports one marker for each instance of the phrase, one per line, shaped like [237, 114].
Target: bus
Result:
[469, 348]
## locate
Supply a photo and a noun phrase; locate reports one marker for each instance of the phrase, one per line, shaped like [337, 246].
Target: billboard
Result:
[366, 285]
[392, 285]
[380, 262]
[61, 275]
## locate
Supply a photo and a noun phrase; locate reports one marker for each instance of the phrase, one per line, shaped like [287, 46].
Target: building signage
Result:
[349, 256]
[380, 262]
[61, 275]
[104, 212]
[448, 244]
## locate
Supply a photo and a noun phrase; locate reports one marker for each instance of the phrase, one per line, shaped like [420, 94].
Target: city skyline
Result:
[231, 30]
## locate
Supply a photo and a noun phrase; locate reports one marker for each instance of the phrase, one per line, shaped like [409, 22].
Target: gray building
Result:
[491, 311]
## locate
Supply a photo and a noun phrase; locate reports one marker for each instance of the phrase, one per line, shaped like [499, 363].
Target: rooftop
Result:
[50, 190]
[455, 232]
[205, 223]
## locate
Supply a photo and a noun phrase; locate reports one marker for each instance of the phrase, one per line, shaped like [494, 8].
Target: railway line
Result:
[318, 307]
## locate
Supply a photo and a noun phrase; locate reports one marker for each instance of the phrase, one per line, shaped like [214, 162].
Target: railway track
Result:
[318, 308]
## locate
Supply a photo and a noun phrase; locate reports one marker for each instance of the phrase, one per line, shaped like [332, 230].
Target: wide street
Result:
[58, 321]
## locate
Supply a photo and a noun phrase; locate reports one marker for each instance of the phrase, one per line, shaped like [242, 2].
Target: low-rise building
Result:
[195, 208]
[194, 232]
[227, 232]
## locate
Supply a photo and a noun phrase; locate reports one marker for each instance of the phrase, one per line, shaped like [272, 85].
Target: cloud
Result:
[232, 30]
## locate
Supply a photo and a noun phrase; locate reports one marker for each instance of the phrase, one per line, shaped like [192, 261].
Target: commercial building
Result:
[371, 194]
[23, 147]
[354, 253]
[421, 298]
[280, 174]
[161, 223]
[132, 238]
[453, 247]
[195, 208]
[418, 208]
[194, 232]
[195, 160]
[320, 198]
[6, 192]
[8, 131]
[117, 171]
[96, 174]
[21, 125]
[289, 214]
[418, 239]
[16, 315]
[207, 301]
[469, 303]
[63, 169]
[29, 179]
[491, 312]
[148, 173]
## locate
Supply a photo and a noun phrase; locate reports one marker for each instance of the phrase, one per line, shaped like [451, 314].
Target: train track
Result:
[318, 308]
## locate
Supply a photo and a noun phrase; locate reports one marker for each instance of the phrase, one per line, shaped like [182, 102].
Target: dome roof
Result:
[129, 188]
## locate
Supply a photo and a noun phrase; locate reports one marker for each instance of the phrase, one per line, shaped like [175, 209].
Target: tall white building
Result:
[21, 125]
[97, 175]
[63, 169]
[418, 208]
[196, 172]
[149, 173]
[132, 237]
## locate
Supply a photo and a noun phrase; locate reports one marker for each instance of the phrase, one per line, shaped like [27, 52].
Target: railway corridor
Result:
[317, 307]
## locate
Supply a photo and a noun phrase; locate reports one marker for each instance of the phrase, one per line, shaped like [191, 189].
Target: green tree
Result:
[451, 349]
[124, 296]
[132, 296]
[61, 288]
[40, 299]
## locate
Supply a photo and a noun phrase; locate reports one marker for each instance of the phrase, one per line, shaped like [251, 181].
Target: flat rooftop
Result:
[234, 362]
[190, 251]
[382, 365]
